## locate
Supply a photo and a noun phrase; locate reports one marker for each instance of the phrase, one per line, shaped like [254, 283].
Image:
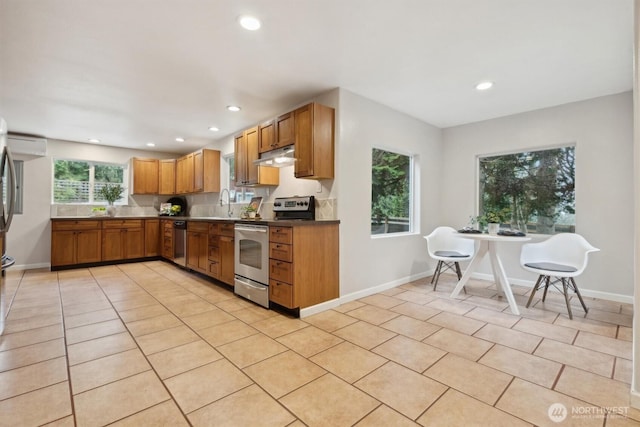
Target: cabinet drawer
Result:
[281, 235]
[213, 269]
[168, 233]
[214, 253]
[214, 240]
[75, 225]
[199, 227]
[280, 271]
[122, 223]
[226, 229]
[281, 293]
[280, 251]
[214, 228]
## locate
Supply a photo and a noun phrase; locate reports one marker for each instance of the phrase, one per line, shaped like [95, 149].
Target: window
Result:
[533, 190]
[237, 194]
[391, 192]
[76, 181]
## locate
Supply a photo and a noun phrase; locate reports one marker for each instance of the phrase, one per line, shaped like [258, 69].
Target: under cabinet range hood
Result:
[278, 158]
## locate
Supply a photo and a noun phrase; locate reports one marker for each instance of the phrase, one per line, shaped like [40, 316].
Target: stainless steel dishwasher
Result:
[180, 243]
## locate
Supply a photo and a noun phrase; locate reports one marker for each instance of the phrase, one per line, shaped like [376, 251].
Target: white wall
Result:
[29, 240]
[367, 262]
[602, 130]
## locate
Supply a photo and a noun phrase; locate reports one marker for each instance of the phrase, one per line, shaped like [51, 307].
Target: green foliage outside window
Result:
[390, 192]
[534, 190]
[80, 181]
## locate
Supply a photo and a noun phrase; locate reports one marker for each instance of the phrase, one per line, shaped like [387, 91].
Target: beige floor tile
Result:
[534, 313]
[73, 310]
[471, 378]
[331, 320]
[40, 310]
[410, 353]
[235, 304]
[456, 322]
[602, 344]
[578, 357]
[227, 332]
[348, 361]
[250, 350]
[494, 317]
[33, 322]
[163, 340]
[118, 400]
[269, 373]
[37, 407]
[417, 311]
[100, 347]
[98, 372]
[618, 420]
[522, 365]
[461, 344]
[415, 297]
[96, 330]
[30, 354]
[402, 389]
[451, 306]
[509, 337]
[180, 359]
[191, 308]
[351, 305]
[623, 370]
[545, 330]
[153, 324]
[372, 314]
[89, 318]
[457, 409]
[329, 401]
[201, 386]
[532, 403]
[385, 416]
[62, 422]
[588, 325]
[489, 300]
[32, 336]
[231, 411]
[593, 388]
[309, 341]
[138, 302]
[624, 333]
[32, 377]
[142, 313]
[615, 318]
[364, 334]
[410, 327]
[276, 326]
[164, 414]
[207, 319]
[381, 301]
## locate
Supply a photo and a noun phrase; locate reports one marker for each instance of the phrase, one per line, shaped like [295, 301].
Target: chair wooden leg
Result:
[436, 275]
[535, 288]
[575, 288]
[546, 287]
[566, 297]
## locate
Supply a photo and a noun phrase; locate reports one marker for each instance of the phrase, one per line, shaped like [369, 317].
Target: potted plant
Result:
[111, 193]
[492, 219]
[250, 211]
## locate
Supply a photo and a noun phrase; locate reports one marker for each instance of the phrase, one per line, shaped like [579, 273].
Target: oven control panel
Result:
[295, 204]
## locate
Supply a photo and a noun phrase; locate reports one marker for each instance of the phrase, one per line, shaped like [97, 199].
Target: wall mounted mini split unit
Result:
[31, 145]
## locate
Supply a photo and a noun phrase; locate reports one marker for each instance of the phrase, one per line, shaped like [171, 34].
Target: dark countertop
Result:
[283, 222]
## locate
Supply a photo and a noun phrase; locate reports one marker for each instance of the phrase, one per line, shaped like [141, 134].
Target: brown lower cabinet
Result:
[198, 246]
[122, 239]
[166, 240]
[76, 242]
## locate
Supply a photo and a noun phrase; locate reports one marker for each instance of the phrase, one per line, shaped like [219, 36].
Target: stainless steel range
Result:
[297, 207]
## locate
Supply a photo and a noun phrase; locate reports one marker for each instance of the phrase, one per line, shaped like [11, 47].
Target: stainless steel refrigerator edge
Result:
[8, 198]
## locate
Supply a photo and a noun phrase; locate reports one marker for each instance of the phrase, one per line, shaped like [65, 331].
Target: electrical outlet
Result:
[319, 188]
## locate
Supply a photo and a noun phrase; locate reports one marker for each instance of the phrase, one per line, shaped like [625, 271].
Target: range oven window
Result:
[250, 253]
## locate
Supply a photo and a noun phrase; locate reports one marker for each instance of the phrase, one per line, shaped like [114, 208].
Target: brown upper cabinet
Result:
[145, 176]
[246, 152]
[277, 133]
[167, 177]
[314, 141]
[198, 172]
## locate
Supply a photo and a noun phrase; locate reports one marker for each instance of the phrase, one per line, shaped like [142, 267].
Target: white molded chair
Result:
[443, 245]
[562, 256]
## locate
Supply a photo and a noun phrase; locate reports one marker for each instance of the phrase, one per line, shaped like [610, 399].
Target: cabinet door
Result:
[112, 244]
[240, 160]
[304, 142]
[203, 252]
[193, 244]
[134, 243]
[167, 176]
[198, 171]
[190, 173]
[285, 130]
[181, 175]
[267, 136]
[145, 176]
[63, 248]
[88, 246]
[152, 237]
[251, 138]
[227, 273]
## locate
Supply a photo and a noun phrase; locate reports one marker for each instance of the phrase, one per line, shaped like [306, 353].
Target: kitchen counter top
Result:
[281, 222]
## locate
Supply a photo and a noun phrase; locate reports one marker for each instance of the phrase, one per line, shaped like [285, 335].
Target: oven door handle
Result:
[251, 229]
[257, 288]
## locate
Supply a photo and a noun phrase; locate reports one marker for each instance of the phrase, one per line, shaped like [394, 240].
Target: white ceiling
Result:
[135, 71]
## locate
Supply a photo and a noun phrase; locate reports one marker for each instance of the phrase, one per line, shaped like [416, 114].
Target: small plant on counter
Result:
[249, 211]
[175, 210]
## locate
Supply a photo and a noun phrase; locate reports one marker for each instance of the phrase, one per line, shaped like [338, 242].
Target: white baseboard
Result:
[30, 266]
[634, 398]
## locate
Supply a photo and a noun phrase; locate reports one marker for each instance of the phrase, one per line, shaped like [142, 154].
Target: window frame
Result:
[92, 164]
[413, 161]
[478, 196]
[240, 194]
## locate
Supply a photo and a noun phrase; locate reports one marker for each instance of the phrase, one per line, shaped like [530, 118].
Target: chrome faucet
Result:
[229, 212]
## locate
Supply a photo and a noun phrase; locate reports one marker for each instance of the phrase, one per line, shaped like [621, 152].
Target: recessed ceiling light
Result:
[249, 23]
[484, 85]
[94, 140]
[150, 144]
[233, 108]
[214, 129]
[179, 139]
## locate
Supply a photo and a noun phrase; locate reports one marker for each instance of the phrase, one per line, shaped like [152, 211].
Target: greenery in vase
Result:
[497, 217]
[111, 192]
